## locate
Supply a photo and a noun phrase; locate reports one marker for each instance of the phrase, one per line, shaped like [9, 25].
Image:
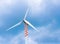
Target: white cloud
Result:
[31, 41]
[56, 2]
[44, 33]
[34, 3]
[19, 39]
[39, 7]
[5, 2]
[5, 6]
[2, 40]
[36, 6]
[34, 36]
[8, 7]
[4, 9]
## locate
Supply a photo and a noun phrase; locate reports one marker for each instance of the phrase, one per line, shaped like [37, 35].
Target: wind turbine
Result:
[26, 23]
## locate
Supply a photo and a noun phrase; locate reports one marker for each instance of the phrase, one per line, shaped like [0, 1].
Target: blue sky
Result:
[43, 14]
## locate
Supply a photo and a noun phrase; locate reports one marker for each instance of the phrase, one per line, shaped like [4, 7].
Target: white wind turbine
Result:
[26, 23]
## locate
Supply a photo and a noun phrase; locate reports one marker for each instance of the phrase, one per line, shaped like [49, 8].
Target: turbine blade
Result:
[30, 25]
[14, 25]
[26, 13]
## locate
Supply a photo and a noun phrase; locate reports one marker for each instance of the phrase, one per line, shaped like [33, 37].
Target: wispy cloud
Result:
[44, 36]
[19, 39]
[2, 40]
[56, 2]
[36, 6]
[40, 7]
[5, 6]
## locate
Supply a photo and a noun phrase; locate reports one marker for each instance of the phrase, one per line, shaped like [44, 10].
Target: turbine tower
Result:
[26, 23]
